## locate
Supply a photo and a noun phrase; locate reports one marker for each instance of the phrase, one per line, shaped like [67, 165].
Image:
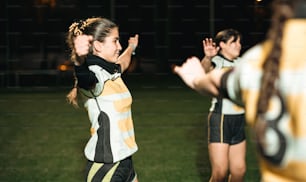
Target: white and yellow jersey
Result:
[283, 153]
[223, 105]
[112, 132]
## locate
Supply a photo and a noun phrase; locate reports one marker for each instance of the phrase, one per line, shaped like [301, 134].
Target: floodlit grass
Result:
[42, 137]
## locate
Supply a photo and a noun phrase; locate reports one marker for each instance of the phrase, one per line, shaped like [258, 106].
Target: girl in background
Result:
[226, 120]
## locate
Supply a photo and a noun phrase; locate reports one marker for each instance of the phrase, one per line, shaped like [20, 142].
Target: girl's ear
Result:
[221, 44]
[97, 46]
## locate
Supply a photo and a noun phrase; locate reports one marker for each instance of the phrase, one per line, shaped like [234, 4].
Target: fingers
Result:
[133, 43]
[136, 36]
[134, 40]
[187, 66]
[84, 38]
[175, 68]
[82, 44]
[208, 42]
[217, 48]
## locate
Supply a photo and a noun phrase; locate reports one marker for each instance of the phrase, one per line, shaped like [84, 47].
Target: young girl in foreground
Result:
[95, 51]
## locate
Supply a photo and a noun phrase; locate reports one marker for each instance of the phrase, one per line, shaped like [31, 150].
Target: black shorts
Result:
[226, 128]
[114, 172]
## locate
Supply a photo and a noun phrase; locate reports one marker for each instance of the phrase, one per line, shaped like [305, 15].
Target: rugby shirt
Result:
[224, 105]
[112, 135]
[284, 158]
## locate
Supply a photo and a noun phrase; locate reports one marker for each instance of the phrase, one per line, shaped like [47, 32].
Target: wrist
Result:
[208, 57]
[133, 47]
[195, 83]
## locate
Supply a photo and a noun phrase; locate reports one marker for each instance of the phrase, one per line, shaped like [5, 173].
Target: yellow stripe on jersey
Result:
[250, 97]
[126, 124]
[130, 141]
[92, 131]
[287, 174]
[123, 105]
[114, 87]
[237, 108]
[294, 52]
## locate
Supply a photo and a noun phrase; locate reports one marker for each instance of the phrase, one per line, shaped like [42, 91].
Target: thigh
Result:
[237, 158]
[237, 153]
[218, 155]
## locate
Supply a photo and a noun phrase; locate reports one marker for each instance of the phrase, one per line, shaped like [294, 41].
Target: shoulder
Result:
[217, 59]
[95, 68]
[253, 53]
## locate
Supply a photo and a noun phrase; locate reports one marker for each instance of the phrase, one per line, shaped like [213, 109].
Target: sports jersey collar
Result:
[226, 58]
[112, 68]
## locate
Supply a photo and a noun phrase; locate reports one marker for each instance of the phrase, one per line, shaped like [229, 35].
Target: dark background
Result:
[32, 41]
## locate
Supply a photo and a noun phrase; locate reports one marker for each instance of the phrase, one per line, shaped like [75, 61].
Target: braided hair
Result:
[283, 10]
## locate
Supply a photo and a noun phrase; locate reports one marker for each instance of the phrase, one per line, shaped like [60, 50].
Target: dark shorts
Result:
[115, 172]
[228, 129]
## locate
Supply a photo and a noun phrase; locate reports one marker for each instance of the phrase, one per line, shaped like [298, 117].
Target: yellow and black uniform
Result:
[108, 102]
[283, 157]
[226, 120]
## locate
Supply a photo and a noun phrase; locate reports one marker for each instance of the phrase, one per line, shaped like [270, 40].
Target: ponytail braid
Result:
[283, 11]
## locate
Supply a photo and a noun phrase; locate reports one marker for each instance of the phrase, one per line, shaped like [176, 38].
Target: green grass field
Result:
[42, 137]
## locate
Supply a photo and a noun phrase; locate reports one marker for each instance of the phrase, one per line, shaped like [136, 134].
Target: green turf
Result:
[42, 137]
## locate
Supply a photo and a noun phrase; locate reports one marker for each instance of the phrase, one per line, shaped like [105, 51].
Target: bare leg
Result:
[218, 153]
[237, 162]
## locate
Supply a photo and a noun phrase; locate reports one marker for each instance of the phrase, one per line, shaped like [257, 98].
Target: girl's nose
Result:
[119, 46]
